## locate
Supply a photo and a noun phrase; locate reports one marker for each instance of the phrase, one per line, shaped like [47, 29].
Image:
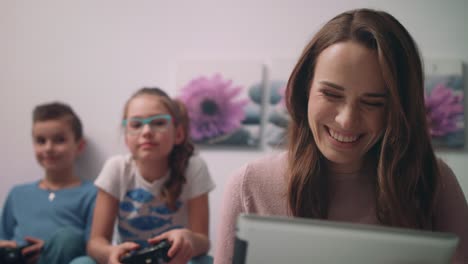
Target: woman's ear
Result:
[180, 135]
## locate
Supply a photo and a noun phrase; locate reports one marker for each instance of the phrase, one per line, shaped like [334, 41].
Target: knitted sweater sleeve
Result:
[451, 214]
[232, 206]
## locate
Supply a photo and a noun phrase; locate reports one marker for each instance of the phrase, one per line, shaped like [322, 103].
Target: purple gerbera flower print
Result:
[443, 109]
[212, 107]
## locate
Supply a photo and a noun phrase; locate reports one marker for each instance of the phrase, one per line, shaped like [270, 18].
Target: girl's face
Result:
[347, 104]
[151, 140]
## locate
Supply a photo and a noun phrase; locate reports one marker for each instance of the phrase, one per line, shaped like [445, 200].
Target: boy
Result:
[52, 216]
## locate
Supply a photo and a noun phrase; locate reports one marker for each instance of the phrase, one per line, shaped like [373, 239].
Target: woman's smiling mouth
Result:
[342, 138]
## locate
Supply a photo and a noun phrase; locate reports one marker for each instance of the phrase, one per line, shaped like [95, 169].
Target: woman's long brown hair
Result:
[405, 165]
[181, 153]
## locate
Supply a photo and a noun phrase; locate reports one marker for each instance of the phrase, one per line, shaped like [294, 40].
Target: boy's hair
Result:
[58, 110]
[181, 153]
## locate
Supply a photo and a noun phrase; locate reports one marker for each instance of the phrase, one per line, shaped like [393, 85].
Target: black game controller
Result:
[13, 255]
[152, 254]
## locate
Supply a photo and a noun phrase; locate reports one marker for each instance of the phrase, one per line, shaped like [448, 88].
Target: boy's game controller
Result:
[13, 255]
[154, 254]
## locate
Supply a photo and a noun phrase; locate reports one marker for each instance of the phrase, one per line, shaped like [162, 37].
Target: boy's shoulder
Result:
[19, 191]
[87, 191]
[25, 187]
[88, 185]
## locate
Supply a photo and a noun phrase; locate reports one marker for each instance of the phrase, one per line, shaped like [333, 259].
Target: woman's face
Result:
[347, 104]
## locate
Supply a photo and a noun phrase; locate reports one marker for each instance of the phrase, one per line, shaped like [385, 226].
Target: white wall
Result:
[94, 54]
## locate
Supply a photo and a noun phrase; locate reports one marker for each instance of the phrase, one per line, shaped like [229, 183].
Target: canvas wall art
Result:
[277, 115]
[444, 100]
[224, 100]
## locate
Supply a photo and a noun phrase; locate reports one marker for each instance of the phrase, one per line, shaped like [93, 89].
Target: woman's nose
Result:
[348, 117]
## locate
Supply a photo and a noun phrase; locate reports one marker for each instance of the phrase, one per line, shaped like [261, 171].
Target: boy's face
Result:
[55, 145]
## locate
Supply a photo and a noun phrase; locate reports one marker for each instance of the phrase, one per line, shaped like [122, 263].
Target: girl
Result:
[159, 191]
[359, 148]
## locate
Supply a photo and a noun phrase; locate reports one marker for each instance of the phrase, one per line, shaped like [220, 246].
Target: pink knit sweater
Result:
[260, 187]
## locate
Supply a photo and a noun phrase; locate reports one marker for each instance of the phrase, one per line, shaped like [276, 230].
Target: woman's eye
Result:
[331, 95]
[374, 104]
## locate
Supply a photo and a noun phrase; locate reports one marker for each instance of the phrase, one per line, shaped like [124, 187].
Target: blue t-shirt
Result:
[32, 211]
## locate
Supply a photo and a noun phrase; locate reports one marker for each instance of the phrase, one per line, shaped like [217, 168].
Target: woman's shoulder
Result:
[451, 208]
[274, 162]
[450, 193]
[266, 170]
[275, 159]
[445, 171]
[261, 184]
[447, 177]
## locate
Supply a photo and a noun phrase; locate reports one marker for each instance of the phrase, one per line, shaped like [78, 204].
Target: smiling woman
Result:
[346, 104]
[359, 146]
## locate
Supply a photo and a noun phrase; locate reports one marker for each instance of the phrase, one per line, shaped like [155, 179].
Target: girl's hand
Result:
[181, 250]
[33, 251]
[118, 251]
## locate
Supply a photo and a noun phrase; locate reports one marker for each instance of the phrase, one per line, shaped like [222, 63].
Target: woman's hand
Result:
[118, 251]
[181, 241]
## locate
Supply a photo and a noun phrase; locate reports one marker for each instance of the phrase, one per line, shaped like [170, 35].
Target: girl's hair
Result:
[403, 159]
[181, 153]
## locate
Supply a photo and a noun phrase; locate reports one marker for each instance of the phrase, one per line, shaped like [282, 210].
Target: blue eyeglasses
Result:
[157, 123]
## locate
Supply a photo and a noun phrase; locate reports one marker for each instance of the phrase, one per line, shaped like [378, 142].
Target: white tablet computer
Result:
[271, 240]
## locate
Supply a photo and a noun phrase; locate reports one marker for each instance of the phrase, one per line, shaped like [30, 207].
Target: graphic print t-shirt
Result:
[142, 213]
